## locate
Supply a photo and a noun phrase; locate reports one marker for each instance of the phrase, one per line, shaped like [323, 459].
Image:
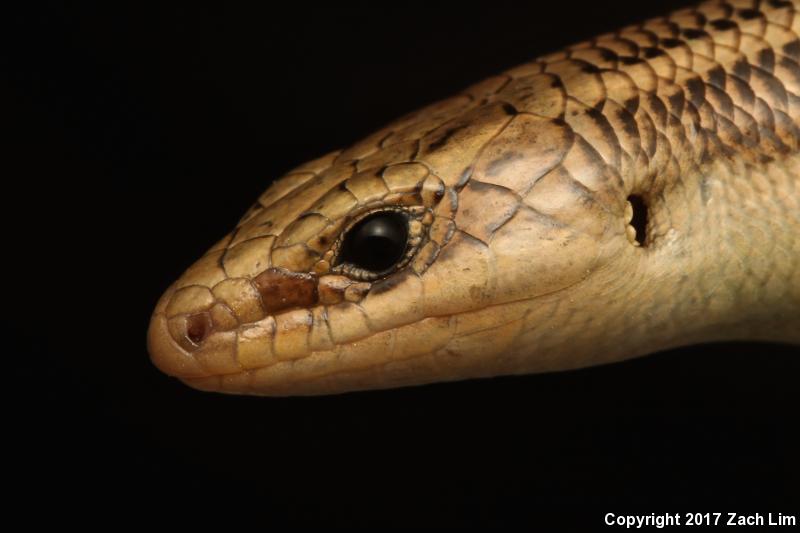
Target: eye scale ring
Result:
[378, 243]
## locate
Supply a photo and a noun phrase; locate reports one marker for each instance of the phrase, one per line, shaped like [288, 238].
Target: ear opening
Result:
[637, 211]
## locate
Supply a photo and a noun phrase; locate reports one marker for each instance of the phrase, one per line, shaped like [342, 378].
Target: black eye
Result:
[376, 243]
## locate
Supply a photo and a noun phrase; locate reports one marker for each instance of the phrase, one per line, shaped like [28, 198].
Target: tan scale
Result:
[522, 200]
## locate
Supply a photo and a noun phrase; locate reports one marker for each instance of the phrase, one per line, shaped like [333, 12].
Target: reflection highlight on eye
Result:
[377, 242]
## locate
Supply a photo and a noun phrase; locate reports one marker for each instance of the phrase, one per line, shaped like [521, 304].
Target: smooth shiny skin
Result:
[525, 197]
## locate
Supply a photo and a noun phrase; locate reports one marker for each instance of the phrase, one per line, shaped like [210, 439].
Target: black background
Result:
[138, 136]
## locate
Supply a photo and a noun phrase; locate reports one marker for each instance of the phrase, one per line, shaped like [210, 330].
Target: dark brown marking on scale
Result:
[720, 101]
[652, 52]
[607, 55]
[606, 128]
[691, 33]
[743, 90]
[701, 19]
[741, 69]
[766, 59]
[282, 289]
[677, 101]
[658, 111]
[716, 77]
[792, 69]
[631, 105]
[509, 109]
[792, 49]
[697, 92]
[417, 148]
[387, 284]
[776, 91]
[495, 167]
[748, 14]
[723, 24]
[628, 123]
[446, 136]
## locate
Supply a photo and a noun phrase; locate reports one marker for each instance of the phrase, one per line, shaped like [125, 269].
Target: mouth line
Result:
[202, 381]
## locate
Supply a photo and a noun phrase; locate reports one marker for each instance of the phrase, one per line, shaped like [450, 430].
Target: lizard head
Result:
[454, 243]
[491, 233]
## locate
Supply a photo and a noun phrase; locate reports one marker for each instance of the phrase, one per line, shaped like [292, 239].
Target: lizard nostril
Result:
[197, 327]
